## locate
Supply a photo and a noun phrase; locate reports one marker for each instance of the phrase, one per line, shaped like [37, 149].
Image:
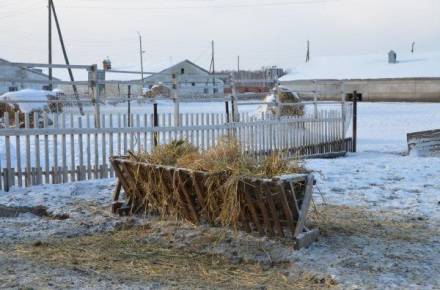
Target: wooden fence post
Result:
[234, 100]
[176, 102]
[155, 123]
[129, 105]
[355, 121]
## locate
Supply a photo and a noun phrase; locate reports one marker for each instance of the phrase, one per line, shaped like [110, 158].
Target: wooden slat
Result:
[286, 207]
[18, 151]
[8, 173]
[81, 171]
[263, 209]
[272, 209]
[64, 176]
[39, 178]
[72, 151]
[305, 206]
[46, 150]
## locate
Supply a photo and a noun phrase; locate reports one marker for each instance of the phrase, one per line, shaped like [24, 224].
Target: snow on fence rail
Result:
[68, 147]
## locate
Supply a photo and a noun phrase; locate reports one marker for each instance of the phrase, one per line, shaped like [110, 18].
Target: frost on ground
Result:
[380, 224]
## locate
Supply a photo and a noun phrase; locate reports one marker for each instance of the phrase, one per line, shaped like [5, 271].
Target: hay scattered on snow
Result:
[125, 256]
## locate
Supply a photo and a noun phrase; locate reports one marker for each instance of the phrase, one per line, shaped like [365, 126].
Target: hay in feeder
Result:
[225, 164]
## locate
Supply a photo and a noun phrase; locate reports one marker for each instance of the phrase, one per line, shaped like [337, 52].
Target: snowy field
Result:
[379, 213]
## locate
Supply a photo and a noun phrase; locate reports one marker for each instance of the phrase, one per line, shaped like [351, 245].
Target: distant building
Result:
[14, 78]
[266, 75]
[412, 77]
[192, 80]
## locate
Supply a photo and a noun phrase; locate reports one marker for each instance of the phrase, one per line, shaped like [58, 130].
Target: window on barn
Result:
[193, 84]
[182, 71]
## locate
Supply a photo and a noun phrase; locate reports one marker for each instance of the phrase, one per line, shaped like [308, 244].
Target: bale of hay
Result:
[287, 96]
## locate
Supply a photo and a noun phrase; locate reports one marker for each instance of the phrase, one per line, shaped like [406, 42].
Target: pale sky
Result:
[262, 32]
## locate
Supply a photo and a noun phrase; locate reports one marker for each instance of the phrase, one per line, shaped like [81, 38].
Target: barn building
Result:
[392, 77]
[14, 78]
[192, 80]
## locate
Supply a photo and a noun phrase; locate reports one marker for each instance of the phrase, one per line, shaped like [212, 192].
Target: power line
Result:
[224, 6]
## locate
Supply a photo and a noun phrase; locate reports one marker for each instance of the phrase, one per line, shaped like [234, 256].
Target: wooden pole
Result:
[176, 102]
[155, 123]
[227, 110]
[129, 105]
[50, 44]
[66, 58]
[354, 121]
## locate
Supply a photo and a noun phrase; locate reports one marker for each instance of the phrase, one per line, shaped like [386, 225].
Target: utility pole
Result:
[308, 51]
[212, 67]
[49, 6]
[238, 64]
[141, 52]
[413, 46]
[60, 35]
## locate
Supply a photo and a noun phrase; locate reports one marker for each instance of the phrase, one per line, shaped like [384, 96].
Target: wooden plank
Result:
[119, 135]
[89, 150]
[72, 151]
[18, 151]
[286, 207]
[263, 209]
[272, 209]
[64, 175]
[305, 239]
[305, 206]
[96, 149]
[39, 178]
[424, 143]
[111, 152]
[8, 176]
[103, 168]
[46, 150]
[55, 167]
[81, 171]
[252, 210]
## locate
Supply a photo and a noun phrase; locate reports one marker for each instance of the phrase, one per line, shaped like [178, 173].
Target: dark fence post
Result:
[155, 123]
[355, 96]
[227, 110]
[129, 105]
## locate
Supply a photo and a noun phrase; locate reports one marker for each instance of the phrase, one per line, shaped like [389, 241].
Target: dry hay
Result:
[335, 220]
[286, 96]
[226, 166]
[125, 256]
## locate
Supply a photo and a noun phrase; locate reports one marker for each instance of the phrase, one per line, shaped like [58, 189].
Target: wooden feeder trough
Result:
[275, 207]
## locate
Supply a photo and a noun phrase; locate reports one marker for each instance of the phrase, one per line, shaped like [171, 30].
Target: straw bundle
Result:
[286, 96]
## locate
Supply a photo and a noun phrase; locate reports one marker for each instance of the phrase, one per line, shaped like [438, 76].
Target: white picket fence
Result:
[68, 147]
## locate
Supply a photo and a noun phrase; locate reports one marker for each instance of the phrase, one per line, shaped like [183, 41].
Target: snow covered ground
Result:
[380, 226]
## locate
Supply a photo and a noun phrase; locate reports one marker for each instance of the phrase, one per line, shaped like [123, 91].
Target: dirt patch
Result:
[127, 256]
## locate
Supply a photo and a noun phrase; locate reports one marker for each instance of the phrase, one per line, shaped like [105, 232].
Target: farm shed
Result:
[392, 77]
[192, 80]
[14, 78]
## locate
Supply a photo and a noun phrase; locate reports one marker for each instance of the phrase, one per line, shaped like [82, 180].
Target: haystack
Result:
[287, 96]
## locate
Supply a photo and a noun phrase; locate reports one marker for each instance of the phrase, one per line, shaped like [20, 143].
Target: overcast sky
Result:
[262, 32]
